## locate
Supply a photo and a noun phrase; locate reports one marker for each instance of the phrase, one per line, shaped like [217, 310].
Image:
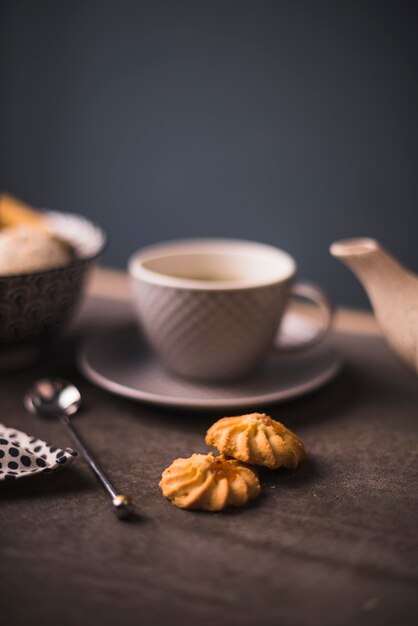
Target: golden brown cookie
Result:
[257, 439]
[15, 212]
[208, 482]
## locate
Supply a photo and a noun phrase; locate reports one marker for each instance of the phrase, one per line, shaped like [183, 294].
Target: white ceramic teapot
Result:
[392, 289]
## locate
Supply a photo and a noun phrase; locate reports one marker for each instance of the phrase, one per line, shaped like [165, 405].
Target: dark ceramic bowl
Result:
[36, 306]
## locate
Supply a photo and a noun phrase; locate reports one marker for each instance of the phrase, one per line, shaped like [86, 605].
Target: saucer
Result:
[121, 363]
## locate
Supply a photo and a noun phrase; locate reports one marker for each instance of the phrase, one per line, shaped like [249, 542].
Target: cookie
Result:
[209, 483]
[257, 439]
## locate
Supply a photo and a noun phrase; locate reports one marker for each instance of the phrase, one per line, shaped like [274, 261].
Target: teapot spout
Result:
[392, 289]
[376, 269]
[366, 259]
[357, 247]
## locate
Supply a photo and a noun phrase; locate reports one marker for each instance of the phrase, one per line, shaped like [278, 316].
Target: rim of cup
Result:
[269, 265]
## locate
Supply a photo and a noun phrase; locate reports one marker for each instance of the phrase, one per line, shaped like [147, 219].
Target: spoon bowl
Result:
[51, 397]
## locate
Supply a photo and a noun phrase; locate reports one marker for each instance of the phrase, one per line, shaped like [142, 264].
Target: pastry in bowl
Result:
[25, 249]
[45, 259]
[257, 439]
[27, 240]
[209, 483]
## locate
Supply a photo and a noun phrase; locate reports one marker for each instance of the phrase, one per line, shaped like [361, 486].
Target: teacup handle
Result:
[313, 293]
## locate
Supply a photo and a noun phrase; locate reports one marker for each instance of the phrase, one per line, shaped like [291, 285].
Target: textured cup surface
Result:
[211, 329]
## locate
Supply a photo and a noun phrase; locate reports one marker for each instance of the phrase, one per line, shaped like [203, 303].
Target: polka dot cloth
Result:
[21, 455]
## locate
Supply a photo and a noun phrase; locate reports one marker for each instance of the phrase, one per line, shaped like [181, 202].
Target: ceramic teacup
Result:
[211, 308]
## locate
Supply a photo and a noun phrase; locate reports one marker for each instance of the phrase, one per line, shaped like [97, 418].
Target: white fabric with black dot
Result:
[22, 455]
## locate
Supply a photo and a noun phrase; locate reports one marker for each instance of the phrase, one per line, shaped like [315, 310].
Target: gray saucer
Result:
[121, 363]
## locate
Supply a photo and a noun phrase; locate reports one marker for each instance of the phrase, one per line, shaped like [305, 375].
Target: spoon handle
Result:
[122, 505]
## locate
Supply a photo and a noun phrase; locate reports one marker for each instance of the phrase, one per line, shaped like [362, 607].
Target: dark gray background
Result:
[291, 122]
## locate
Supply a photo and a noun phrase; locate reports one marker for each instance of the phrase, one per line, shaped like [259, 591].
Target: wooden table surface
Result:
[333, 543]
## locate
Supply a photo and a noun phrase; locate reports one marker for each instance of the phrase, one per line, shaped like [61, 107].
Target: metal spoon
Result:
[56, 398]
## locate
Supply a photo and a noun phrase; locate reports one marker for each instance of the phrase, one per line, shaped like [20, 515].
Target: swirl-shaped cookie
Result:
[257, 439]
[208, 482]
